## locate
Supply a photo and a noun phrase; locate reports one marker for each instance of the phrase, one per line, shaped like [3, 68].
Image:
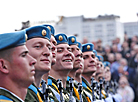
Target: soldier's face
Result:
[22, 66]
[54, 49]
[89, 62]
[81, 68]
[100, 70]
[64, 59]
[76, 51]
[40, 49]
[107, 74]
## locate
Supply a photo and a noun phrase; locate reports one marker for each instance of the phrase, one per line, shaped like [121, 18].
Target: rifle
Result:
[71, 84]
[107, 88]
[60, 88]
[115, 86]
[45, 91]
[80, 90]
[93, 85]
[101, 84]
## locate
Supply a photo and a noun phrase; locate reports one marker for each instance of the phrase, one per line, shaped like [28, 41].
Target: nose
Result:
[53, 47]
[46, 51]
[78, 54]
[32, 60]
[91, 59]
[67, 53]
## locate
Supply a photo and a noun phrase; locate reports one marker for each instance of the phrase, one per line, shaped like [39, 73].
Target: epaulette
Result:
[50, 83]
[34, 89]
[5, 99]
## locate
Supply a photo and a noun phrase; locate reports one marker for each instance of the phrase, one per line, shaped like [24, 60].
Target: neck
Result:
[17, 89]
[87, 77]
[38, 76]
[45, 76]
[60, 74]
[72, 73]
[78, 77]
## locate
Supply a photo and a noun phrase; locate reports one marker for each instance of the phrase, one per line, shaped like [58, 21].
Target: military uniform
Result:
[53, 84]
[7, 96]
[75, 91]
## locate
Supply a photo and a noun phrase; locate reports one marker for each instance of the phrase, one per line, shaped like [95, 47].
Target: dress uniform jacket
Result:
[7, 96]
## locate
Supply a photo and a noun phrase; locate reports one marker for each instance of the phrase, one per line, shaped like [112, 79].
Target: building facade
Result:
[131, 28]
[105, 28]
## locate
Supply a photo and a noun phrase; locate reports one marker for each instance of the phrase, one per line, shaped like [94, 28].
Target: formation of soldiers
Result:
[37, 65]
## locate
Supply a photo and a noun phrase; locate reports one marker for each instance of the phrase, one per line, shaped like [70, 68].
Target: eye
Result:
[49, 48]
[85, 57]
[93, 56]
[69, 50]
[59, 50]
[37, 46]
[24, 54]
[72, 49]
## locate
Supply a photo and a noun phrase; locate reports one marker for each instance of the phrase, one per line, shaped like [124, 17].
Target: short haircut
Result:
[6, 54]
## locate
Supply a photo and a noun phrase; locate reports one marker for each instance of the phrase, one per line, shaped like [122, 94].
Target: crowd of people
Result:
[37, 65]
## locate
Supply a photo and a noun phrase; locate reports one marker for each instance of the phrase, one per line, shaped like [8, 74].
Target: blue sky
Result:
[13, 12]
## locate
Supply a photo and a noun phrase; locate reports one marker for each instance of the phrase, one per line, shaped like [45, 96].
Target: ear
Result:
[3, 66]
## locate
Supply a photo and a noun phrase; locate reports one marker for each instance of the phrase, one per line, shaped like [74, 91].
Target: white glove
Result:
[117, 97]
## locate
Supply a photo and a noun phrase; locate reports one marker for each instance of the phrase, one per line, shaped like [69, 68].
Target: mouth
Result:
[78, 60]
[54, 55]
[67, 60]
[33, 71]
[91, 65]
[45, 60]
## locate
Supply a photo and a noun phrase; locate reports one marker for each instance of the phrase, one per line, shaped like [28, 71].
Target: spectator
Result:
[125, 90]
[125, 50]
[116, 64]
[107, 51]
[114, 48]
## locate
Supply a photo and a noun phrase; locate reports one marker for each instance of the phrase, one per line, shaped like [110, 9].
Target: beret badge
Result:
[26, 37]
[44, 32]
[60, 38]
[73, 40]
[88, 47]
[49, 28]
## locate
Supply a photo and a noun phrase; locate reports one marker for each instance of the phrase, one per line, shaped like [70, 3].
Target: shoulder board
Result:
[5, 99]
[33, 88]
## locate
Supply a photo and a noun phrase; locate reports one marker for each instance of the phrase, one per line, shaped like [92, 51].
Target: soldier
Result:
[110, 90]
[78, 75]
[89, 68]
[16, 67]
[38, 43]
[63, 65]
[52, 94]
[76, 65]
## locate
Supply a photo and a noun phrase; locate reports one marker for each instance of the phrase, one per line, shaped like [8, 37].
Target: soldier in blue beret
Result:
[16, 67]
[39, 46]
[54, 53]
[89, 68]
[100, 68]
[63, 65]
[76, 66]
[78, 76]
[107, 71]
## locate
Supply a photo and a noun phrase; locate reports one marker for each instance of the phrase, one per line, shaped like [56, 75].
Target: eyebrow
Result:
[24, 52]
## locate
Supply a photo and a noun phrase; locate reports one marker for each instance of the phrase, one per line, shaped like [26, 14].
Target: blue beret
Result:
[38, 31]
[61, 38]
[51, 28]
[87, 47]
[10, 40]
[95, 52]
[106, 63]
[72, 40]
[100, 58]
[79, 45]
